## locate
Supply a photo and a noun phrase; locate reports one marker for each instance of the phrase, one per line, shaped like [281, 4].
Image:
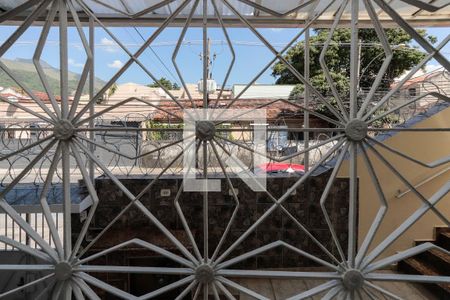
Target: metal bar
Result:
[25, 286]
[376, 223]
[433, 94]
[387, 61]
[270, 246]
[284, 61]
[383, 291]
[256, 274]
[177, 49]
[87, 68]
[314, 291]
[37, 57]
[187, 290]
[323, 63]
[275, 13]
[411, 220]
[332, 293]
[183, 218]
[235, 198]
[133, 58]
[431, 165]
[77, 291]
[26, 169]
[280, 53]
[168, 287]
[407, 183]
[32, 145]
[230, 46]
[24, 108]
[324, 197]
[8, 15]
[67, 204]
[239, 287]
[404, 255]
[91, 123]
[134, 270]
[353, 205]
[307, 72]
[279, 202]
[46, 212]
[411, 73]
[423, 182]
[93, 195]
[224, 290]
[422, 41]
[63, 59]
[134, 201]
[126, 156]
[121, 103]
[143, 244]
[106, 287]
[283, 158]
[85, 288]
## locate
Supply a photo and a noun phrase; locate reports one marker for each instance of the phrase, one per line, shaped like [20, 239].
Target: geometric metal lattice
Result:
[352, 273]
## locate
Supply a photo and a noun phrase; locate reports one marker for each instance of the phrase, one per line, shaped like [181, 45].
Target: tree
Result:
[112, 90]
[165, 83]
[337, 57]
[109, 92]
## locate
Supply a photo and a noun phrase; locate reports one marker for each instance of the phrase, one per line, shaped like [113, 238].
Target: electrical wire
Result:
[159, 58]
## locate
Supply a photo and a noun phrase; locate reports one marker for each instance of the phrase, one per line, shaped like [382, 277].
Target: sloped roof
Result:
[274, 108]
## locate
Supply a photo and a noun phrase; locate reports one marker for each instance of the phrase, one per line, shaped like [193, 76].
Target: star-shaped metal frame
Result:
[354, 271]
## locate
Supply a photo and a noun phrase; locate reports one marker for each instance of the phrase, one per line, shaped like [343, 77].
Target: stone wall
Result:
[303, 205]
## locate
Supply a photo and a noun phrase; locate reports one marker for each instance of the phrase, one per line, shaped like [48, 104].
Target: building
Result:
[420, 87]
[264, 91]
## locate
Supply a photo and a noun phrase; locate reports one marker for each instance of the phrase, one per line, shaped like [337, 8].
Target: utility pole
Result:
[207, 64]
[208, 57]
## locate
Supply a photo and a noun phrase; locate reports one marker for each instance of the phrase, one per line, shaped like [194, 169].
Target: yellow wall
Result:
[424, 146]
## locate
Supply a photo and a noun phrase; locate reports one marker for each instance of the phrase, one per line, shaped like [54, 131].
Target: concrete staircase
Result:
[432, 262]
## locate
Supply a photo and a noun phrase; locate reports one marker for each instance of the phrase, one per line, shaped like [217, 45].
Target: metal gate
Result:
[67, 140]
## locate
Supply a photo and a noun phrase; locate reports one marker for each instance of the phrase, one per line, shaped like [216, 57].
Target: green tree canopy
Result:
[166, 83]
[405, 57]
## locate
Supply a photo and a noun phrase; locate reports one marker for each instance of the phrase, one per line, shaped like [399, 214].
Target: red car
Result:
[280, 168]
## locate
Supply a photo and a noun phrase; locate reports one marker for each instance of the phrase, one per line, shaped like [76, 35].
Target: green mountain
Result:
[25, 71]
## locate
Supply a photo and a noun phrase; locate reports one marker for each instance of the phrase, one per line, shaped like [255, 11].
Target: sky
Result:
[251, 55]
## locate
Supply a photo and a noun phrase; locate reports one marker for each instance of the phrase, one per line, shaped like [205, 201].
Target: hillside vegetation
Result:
[26, 72]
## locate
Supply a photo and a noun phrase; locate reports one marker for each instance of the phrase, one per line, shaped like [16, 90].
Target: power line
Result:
[159, 58]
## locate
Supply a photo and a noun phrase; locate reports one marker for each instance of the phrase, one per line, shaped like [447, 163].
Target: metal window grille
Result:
[68, 142]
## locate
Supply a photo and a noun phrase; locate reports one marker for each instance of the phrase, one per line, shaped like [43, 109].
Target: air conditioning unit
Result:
[211, 86]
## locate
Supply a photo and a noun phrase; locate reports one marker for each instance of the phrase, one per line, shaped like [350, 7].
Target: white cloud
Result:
[73, 63]
[109, 45]
[117, 64]
[276, 29]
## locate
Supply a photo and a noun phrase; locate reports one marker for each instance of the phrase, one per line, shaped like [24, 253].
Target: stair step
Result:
[436, 258]
[423, 241]
[415, 266]
[439, 229]
[443, 240]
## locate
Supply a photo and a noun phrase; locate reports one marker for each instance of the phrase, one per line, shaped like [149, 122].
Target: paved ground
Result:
[282, 289]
